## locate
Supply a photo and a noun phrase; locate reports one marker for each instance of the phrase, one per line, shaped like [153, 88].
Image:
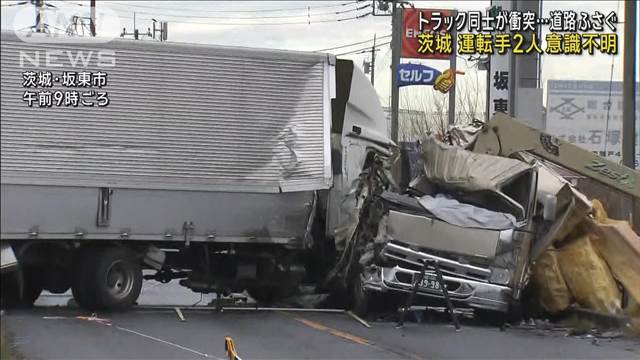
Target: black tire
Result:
[495, 318]
[491, 318]
[271, 294]
[57, 281]
[81, 286]
[364, 302]
[264, 294]
[109, 279]
[10, 291]
[12, 296]
[32, 288]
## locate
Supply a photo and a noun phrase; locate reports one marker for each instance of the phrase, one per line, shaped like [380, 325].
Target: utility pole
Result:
[373, 61]
[92, 23]
[396, 44]
[162, 30]
[452, 65]
[629, 98]
[39, 26]
[629, 85]
[136, 33]
[390, 7]
[369, 66]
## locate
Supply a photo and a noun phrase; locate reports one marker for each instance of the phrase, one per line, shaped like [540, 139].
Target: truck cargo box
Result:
[180, 116]
[196, 143]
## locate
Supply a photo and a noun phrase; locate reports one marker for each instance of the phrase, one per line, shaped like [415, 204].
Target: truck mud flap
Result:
[8, 260]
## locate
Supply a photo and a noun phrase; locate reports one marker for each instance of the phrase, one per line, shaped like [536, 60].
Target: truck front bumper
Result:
[465, 292]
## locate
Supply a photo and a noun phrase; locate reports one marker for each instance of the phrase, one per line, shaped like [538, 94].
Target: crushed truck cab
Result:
[472, 213]
[482, 210]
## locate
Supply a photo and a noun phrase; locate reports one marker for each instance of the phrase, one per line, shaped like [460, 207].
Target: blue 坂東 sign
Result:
[416, 74]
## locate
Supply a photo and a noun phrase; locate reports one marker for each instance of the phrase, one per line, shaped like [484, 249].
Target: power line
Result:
[352, 44]
[235, 11]
[363, 50]
[308, 22]
[20, 3]
[71, 3]
[28, 3]
[382, 58]
[255, 17]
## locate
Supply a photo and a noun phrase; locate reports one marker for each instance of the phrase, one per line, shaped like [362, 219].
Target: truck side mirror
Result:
[550, 204]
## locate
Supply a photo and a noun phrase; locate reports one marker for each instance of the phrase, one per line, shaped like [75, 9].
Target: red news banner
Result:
[411, 30]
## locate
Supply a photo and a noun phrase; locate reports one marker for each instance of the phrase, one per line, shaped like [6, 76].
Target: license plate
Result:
[428, 282]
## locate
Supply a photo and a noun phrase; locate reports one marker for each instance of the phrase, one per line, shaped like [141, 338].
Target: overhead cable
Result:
[308, 22]
[363, 50]
[352, 44]
[236, 11]
[231, 17]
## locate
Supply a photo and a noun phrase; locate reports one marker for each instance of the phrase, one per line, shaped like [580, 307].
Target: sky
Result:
[310, 26]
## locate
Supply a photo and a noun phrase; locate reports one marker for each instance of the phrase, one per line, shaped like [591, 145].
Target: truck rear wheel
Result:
[11, 294]
[107, 278]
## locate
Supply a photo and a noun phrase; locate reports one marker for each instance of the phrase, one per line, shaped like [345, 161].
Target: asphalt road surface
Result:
[50, 331]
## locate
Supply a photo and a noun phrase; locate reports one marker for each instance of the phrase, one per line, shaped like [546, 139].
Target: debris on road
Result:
[179, 313]
[358, 319]
[230, 348]
[94, 317]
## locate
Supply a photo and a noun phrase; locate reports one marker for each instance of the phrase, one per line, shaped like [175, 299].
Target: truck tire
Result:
[364, 302]
[267, 295]
[264, 294]
[494, 318]
[108, 279]
[10, 292]
[81, 286]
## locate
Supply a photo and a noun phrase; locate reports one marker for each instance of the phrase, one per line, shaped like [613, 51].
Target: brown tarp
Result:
[554, 295]
[588, 276]
[619, 245]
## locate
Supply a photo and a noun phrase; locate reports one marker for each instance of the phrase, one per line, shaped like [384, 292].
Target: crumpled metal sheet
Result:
[463, 135]
[454, 212]
[455, 168]
[572, 207]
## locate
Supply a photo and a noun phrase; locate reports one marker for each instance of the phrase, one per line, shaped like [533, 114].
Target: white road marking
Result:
[168, 343]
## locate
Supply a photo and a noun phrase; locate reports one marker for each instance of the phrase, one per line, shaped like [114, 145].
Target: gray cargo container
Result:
[211, 164]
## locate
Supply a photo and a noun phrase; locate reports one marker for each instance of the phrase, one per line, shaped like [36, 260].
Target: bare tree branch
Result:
[425, 111]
